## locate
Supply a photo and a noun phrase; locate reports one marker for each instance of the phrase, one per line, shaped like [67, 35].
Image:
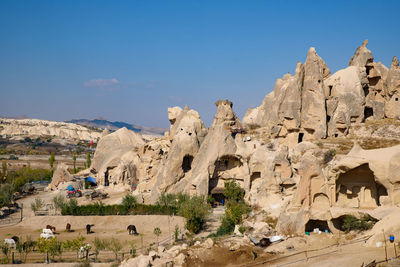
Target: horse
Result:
[88, 228]
[15, 238]
[132, 230]
[51, 227]
[68, 227]
[10, 242]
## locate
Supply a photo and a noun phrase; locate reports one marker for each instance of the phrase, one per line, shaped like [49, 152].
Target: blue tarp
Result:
[91, 180]
[70, 188]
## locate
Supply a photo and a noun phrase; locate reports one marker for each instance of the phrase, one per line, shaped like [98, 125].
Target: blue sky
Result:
[131, 60]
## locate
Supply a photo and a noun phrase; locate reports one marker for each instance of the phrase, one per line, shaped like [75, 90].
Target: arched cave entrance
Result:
[357, 188]
[321, 225]
[225, 168]
[255, 179]
[187, 163]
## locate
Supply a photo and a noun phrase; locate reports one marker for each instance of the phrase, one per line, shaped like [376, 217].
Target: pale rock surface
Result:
[38, 128]
[60, 175]
[187, 135]
[362, 57]
[346, 100]
[109, 152]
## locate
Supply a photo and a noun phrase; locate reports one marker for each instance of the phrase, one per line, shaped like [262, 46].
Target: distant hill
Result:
[115, 125]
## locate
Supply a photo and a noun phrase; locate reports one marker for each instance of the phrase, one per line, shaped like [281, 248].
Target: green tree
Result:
[132, 246]
[5, 249]
[129, 202]
[4, 168]
[24, 248]
[195, 210]
[157, 232]
[115, 246]
[99, 244]
[52, 159]
[50, 246]
[37, 204]
[88, 160]
[59, 202]
[176, 233]
[74, 159]
[235, 208]
[75, 244]
[233, 192]
[6, 194]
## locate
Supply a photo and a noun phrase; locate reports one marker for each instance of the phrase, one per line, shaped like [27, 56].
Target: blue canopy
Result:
[91, 180]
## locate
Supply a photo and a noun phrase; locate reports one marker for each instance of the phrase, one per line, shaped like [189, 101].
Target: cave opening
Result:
[313, 224]
[300, 138]
[187, 163]
[368, 112]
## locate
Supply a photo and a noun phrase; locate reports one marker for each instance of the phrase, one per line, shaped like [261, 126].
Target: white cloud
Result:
[103, 84]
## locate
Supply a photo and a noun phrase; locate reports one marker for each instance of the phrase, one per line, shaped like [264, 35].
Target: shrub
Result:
[99, 244]
[129, 202]
[195, 210]
[37, 204]
[132, 246]
[6, 195]
[157, 232]
[233, 192]
[5, 249]
[75, 244]
[235, 208]
[242, 229]
[227, 226]
[24, 248]
[176, 233]
[351, 223]
[59, 202]
[115, 246]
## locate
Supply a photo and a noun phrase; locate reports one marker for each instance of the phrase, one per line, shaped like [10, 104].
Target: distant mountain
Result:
[115, 125]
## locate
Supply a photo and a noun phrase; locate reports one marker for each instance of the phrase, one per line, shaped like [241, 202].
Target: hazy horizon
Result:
[130, 60]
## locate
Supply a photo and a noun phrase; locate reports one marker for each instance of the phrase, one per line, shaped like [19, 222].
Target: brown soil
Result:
[222, 256]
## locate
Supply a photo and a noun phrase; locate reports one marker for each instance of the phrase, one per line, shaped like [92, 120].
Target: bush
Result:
[100, 209]
[195, 210]
[129, 202]
[233, 192]
[235, 208]
[242, 229]
[37, 204]
[352, 223]
[227, 226]
[59, 202]
[115, 246]
[6, 195]
[99, 244]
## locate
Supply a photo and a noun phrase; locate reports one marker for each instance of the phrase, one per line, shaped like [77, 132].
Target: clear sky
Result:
[131, 60]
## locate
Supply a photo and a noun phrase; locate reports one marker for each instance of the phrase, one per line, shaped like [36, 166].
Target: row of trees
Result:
[55, 248]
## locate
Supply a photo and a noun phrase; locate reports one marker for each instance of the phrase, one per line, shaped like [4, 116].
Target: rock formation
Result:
[37, 128]
[61, 175]
[289, 154]
[328, 104]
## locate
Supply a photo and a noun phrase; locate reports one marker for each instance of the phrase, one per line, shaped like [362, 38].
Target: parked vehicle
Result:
[72, 192]
[95, 194]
